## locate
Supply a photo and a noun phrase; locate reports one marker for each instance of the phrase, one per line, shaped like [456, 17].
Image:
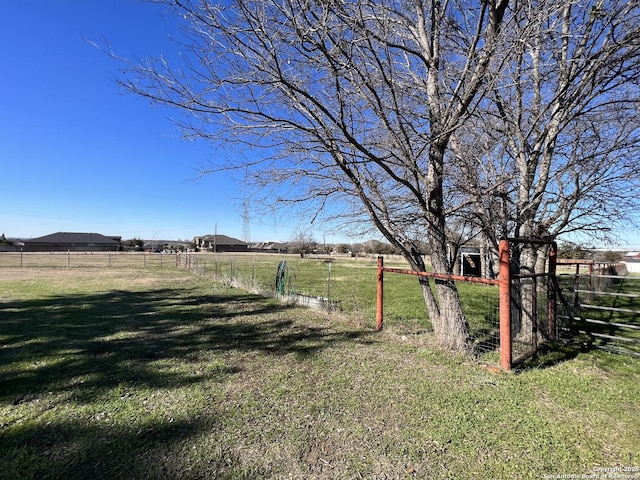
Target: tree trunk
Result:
[449, 324]
[455, 331]
[523, 296]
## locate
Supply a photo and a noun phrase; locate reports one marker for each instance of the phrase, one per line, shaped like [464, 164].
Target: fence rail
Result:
[521, 298]
[330, 283]
[480, 307]
[601, 311]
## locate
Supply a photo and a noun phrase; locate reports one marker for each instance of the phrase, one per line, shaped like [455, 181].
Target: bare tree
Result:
[302, 243]
[355, 101]
[571, 116]
[386, 107]
[554, 150]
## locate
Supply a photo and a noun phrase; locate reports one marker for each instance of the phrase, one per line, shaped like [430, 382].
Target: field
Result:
[155, 372]
[348, 284]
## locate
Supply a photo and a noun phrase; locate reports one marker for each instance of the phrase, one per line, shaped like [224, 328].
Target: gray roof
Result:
[222, 240]
[270, 245]
[71, 237]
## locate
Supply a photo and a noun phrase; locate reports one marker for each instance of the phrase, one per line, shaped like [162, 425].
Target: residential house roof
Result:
[74, 237]
[221, 240]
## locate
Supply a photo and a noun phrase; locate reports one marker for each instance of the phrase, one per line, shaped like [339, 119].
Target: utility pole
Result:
[246, 222]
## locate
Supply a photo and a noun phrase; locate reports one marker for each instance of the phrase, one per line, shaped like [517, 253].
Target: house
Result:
[220, 243]
[75, 242]
[632, 262]
[270, 247]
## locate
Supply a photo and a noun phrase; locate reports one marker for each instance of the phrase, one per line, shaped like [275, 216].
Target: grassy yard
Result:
[158, 373]
[350, 284]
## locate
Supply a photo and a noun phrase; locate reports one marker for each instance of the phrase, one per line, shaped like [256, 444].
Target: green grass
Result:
[159, 373]
[350, 284]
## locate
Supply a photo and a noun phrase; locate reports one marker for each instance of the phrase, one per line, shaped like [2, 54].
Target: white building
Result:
[632, 262]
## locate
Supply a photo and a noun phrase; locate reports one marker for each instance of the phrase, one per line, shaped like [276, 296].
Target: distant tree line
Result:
[580, 252]
[304, 243]
[4, 241]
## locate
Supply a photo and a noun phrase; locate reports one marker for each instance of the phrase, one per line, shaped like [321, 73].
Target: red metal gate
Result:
[507, 306]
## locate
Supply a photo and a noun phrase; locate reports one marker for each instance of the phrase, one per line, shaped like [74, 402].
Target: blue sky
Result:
[79, 154]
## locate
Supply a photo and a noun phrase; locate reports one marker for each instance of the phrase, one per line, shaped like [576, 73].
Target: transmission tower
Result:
[246, 221]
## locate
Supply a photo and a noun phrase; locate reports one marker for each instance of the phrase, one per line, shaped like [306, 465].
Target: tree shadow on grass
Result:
[555, 353]
[117, 337]
[80, 349]
[549, 355]
[74, 450]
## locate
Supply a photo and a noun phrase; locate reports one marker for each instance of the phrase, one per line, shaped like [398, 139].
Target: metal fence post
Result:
[534, 314]
[551, 293]
[380, 294]
[505, 305]
[329, 289]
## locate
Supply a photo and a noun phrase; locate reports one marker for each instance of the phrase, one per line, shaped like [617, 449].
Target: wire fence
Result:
[594, 307]
[86, 259]
[332, 284]
[481, 306]
[530, 313]
[348, 286]
[479, 299]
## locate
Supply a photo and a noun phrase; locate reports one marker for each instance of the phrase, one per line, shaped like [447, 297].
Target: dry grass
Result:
[157, 373]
